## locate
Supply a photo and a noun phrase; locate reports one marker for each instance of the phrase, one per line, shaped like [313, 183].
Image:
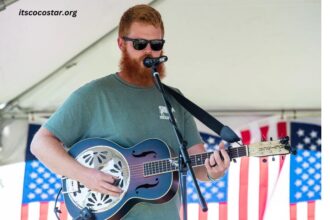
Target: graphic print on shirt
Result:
[163, 112]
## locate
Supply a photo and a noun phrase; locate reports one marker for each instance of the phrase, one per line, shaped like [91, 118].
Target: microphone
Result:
[150, 62]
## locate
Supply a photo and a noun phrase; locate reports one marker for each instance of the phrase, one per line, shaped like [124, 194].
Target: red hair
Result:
[140, 13]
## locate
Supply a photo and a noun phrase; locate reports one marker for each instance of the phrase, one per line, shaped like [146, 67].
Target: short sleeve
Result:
[70, 121]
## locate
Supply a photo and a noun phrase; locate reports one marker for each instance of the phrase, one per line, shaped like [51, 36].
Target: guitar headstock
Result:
[270, 148]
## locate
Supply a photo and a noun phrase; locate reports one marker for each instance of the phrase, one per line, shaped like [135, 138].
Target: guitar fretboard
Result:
[172, 164]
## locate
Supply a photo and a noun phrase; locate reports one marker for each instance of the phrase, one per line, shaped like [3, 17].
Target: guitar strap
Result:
[224, 131]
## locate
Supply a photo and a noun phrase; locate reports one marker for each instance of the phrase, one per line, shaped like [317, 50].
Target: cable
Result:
[57, 211]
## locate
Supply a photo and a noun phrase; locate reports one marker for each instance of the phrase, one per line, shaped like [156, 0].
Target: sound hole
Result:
[147, 186]
[143, 154]
[98, 200]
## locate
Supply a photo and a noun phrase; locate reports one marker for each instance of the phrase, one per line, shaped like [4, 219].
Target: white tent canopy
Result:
[226, 56]
[223, 55]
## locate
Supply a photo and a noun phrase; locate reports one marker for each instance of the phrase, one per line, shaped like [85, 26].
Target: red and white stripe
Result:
[43, 211]
[251, 182]
[279, 206]
[215, 211]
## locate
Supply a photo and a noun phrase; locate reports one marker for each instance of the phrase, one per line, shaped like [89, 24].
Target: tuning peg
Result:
[264, 160]
[234, 160]
[294, 150]
[287, 146]
[273, 158]
[285, 140]
[271, 138]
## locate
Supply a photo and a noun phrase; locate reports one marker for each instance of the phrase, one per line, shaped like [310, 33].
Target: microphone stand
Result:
[184, 160]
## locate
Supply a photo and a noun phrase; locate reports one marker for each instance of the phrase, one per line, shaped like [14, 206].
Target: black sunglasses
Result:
[140, 44]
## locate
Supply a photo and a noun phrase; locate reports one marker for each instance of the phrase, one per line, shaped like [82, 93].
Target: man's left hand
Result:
[217, 164]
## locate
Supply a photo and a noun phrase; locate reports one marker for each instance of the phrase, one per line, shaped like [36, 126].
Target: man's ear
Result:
[120, 43]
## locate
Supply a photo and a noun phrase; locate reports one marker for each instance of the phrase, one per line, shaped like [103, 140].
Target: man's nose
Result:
[148, 49]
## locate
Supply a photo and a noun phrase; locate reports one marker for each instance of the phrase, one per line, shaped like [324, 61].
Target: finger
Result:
[226, 158]
[213, 161]
[209, 168]
[217, 157]
[105, 190]
[110, 189]
[109, 182]
[207, 164]
[222, 145]
[111, 193]
[109, 178]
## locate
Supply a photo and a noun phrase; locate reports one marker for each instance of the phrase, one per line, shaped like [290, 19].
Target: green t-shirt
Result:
[126, 114]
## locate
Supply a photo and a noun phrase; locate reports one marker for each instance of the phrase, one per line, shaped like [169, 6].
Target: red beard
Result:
[135, 73]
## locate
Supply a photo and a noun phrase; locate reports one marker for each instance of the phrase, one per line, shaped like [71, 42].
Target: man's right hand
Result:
[99, 181]
[45, 144]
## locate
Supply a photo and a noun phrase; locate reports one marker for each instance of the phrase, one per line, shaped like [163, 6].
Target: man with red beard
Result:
[125, 108]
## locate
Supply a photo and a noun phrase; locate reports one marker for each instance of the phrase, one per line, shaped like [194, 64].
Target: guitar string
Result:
[193, 157]
[138, 170]
[158, 165]
[154, 164]
[163, 166]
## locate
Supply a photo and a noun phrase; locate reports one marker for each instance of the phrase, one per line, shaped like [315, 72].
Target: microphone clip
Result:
[150, 62]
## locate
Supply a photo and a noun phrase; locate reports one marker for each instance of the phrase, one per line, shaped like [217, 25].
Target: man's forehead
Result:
[140, 29]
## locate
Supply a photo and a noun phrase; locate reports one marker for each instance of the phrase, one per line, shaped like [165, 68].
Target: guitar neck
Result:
[172, 164]
[199, 159]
